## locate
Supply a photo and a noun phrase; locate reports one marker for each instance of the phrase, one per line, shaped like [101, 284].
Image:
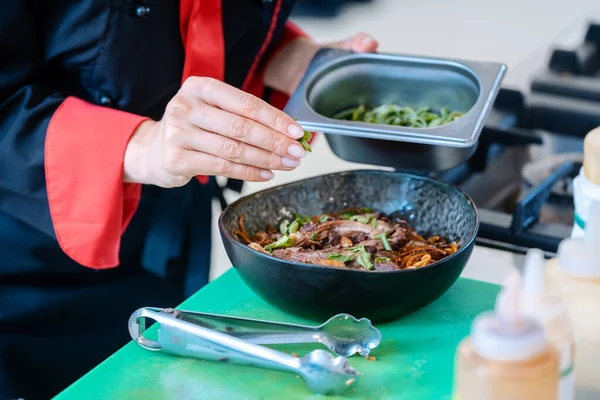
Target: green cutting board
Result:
[414, 360]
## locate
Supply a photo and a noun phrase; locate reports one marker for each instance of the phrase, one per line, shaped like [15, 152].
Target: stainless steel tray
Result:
[339, 79]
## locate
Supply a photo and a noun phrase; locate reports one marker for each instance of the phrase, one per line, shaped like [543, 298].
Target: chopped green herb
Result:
[286, 228]
[393, 114]
[323, 218]
[283, 227]
[294, 226]
[284, 241]
[301, 219]
[313, 236]
[382, 259]
[386, 244]
[363, 219]
[374, 223]
[364, 259]
[304, 140]
[340, 257]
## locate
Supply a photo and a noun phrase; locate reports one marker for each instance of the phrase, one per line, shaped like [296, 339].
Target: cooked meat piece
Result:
[361, 237]
[371, 245]
[308, 256]
[264, 238]
[346, 242]
[308, 227]
[383, 227]
[304, 240]
[333, 238]
[387, 254]
[371, 248]
[385, 266]
[271, 229]
[345, 228]
[258, 247]
[399, 238]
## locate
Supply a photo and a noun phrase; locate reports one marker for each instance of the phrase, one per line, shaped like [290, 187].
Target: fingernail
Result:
[296, 151]
[367, 40]
[295, 131]
[288, 162]
[267, 174]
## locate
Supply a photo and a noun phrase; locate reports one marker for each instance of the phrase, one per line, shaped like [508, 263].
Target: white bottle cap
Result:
[504, 334]
[581, 256]
[536, 302]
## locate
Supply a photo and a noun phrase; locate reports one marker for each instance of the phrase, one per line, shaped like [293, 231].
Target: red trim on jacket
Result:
[89, 204]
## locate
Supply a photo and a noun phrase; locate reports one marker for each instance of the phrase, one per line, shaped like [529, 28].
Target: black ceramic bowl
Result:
[317, 292]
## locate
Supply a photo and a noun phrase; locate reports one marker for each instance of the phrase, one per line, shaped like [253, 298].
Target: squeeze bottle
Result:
[507, 356]
[575, 276]
[551, 312]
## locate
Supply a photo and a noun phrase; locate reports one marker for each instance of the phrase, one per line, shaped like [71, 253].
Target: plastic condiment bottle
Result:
[507, 355]
[575, 276]
[550, 311]
[586, 186]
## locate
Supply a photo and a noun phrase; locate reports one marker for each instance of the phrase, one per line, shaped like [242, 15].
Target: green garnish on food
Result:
[340, 257]
[283, 227]
[323, 218]
[386, 244]
[364, 257]
[382, 259]
[284, 241]
[393, 114]
[294, 226]
[313, 236]
[363, 219]
[286, 228]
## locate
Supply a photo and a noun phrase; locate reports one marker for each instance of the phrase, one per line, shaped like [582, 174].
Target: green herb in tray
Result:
[393, 114]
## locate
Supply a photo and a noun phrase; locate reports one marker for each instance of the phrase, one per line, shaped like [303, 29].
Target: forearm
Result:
[286, 68]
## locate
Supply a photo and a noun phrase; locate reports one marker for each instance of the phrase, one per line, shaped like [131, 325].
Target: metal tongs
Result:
[236, 340]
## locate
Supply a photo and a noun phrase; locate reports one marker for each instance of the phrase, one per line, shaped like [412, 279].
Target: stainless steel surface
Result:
[399, 155]
[323, 373]
[343, 334]
[337, 79]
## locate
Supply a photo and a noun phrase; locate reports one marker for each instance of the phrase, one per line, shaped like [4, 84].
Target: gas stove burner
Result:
[559, 206]
[534, 173]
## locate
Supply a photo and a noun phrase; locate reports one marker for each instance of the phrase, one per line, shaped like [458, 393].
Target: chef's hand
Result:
[211, 128]
[286, 68]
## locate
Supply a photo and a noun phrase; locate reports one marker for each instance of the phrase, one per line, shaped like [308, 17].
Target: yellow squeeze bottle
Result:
[575, 276]
[507, 356]
[551, 312]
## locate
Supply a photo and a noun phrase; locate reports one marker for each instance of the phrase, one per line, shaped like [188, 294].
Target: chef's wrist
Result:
[135, 163]
[288, 65]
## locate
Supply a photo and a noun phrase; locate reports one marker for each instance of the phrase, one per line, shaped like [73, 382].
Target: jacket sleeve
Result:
[61, 158]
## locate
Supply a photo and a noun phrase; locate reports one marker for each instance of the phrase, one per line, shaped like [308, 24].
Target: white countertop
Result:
[491, 265]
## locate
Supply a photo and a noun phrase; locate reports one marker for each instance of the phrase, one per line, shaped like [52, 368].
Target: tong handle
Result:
[252, 330]
[186, 339]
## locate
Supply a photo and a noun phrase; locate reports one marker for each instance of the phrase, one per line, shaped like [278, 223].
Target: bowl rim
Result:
[469, 242]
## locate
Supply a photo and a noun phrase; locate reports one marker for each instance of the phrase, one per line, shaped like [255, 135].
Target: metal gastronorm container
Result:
[338, 79]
